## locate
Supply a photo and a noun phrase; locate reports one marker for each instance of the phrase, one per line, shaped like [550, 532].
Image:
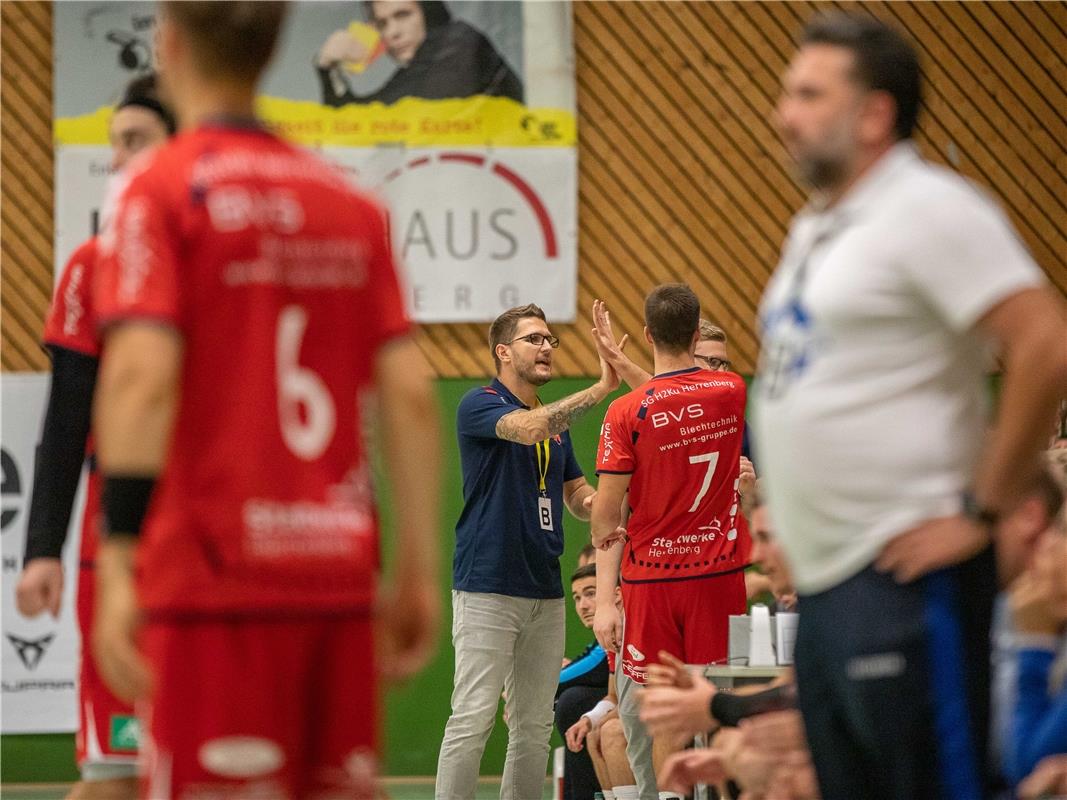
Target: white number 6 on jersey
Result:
[299, 386]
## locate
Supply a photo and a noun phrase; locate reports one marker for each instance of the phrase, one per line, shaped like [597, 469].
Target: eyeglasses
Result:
[716, 364]
[538, 339]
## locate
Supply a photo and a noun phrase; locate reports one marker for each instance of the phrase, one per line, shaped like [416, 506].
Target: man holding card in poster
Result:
[437, 56]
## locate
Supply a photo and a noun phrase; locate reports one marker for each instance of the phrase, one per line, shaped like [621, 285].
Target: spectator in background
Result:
[607, 748]
[599, 730]
[1018, 538]
[1039, 720]
[437, 57]
[583, 683]
[587, 555]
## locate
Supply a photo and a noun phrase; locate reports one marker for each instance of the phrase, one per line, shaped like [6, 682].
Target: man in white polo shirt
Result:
[896, 283]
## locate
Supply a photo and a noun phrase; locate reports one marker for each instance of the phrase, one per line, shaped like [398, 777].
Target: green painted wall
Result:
[416, 713]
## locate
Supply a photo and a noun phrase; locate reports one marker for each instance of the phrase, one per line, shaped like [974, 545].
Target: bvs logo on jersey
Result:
[691, 411]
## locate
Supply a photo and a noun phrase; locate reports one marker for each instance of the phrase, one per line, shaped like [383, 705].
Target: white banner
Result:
[506, 238]
[476, 231]
[40, 655]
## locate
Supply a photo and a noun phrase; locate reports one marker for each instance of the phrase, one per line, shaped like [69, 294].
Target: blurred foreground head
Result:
[219, 44]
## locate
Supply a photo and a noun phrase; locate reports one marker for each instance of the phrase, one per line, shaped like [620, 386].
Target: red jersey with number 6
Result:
[278, 277]
[679, 435]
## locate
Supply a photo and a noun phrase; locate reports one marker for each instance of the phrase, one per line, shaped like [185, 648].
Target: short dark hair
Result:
[672, 314]
[435, 13]
[587, 550]
[143, 91]
[230, 38]
[503, 328]
[884, 60]
[588, 571]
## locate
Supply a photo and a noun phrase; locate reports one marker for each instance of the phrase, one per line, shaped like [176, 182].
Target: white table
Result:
[732, 675]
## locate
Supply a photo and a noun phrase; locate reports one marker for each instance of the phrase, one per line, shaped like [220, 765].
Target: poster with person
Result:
[458, 114]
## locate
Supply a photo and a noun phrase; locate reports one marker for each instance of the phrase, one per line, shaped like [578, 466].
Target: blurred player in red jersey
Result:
[106, 742]
[675, 444]
[250, 308]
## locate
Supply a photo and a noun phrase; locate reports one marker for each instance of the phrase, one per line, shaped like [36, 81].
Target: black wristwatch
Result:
[974, 511]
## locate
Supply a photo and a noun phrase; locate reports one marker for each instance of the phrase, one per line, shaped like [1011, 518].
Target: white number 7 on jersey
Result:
[712, 459]
[300, 386]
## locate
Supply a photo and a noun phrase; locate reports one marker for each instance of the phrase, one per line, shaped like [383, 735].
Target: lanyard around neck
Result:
[542, 462]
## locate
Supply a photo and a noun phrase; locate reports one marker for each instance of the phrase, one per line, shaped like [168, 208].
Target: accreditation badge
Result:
[544, 511]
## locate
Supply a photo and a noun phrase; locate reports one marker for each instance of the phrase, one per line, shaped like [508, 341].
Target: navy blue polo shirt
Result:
[501, 547]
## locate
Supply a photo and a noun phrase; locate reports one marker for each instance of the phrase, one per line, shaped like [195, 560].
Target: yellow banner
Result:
[478, 122]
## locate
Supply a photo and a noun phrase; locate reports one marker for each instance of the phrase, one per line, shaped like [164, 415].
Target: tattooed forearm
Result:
[537, 424]
[563, 412]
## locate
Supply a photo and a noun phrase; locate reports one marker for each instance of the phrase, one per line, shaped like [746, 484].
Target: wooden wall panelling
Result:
[1018, 52]
[747, 86]
[454, 340]
[728, 169]
[964, 97]
[671, 222]
[600, 253]
[28, 192]
[25, 181]
[24, 256]
[962, 80]
[733, 139]
[670, 252]
[1056, 15]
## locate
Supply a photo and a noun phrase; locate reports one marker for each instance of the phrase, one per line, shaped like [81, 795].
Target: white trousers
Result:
[505, 643]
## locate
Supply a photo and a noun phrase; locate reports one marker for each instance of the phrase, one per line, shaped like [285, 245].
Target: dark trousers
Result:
[893, 684]
[579, 779]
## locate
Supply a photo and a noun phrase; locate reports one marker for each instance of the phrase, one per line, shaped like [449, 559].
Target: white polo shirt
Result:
[871, 395]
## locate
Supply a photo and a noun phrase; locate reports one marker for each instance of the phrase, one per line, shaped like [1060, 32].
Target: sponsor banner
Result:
[409, 122]
[40, 655]
[464, 126]
[454, 73]
[508, 238]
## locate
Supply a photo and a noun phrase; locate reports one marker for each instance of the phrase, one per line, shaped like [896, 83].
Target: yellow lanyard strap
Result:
[542, 467]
